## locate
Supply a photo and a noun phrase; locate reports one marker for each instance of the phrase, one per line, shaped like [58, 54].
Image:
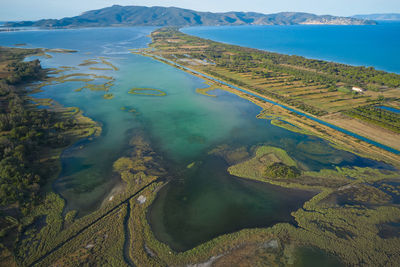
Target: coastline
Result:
[346, 138]
[343, 140]
[130, 215]
[226, 247]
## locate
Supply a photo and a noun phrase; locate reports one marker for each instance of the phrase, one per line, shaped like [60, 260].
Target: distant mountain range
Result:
[392, 16]
[173, 16]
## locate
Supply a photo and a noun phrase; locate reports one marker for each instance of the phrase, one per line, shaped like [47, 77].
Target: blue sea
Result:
[372, 45]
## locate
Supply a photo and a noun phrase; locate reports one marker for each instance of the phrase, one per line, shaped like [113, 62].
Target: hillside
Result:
[391, 16]
[172, 16]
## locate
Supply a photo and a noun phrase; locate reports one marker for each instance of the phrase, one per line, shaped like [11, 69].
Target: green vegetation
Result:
[23, 71]
[74, 77]
[191, 165]
[342, 219]
[89, 62]
[377, 116]
[281, 170]
[317, 87]
[60, 50]
[338, 219]
[205, 91]
[147, 91]
[258, 166]
[230, 155]
[344, 89]
[333, 229]
[31, 142]
[154, 253]
[100, 243]
[105, 62]
[90, 238]
[26, 131]
[95, 68]
[108, 96]
[288, 126]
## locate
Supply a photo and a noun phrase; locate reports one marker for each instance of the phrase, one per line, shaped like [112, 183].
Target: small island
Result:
[147, 92]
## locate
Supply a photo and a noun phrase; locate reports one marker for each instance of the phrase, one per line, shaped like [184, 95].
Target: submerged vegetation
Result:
[108, 96]
[31, 142]
[147, 91]
[206, 91]
[108, 63]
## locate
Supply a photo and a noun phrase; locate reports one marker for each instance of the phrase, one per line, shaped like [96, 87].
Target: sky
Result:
[11, 10]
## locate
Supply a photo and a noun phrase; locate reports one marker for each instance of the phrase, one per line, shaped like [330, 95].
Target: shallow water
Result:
[183, 127]
[224, 204]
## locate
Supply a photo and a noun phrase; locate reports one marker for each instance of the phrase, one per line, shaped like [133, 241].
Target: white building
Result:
[357, 89]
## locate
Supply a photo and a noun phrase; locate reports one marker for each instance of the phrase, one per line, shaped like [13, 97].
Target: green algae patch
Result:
[67, 68]
[97, 68]
[191, 165]
[147, 91]
[79, 89]
[230, 155]
[131, 110]
[77, 77]
[103, 77]
[108, 96]
[105, 62]
[205, 91]
[89, 62]
[61, 50]
[80, 80]
[96, 87]
[142, 165]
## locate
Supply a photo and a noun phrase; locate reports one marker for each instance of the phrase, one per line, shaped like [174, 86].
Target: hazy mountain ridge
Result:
[384, 16]
[173, 16]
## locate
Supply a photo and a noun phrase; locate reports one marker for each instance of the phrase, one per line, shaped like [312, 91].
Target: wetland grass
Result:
[147, 92]
[108, 96]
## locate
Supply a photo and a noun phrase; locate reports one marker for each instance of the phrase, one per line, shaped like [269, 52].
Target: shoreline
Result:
[259, 100]
[124, 209]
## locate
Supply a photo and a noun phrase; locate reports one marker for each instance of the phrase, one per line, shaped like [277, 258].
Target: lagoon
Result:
[183, 127]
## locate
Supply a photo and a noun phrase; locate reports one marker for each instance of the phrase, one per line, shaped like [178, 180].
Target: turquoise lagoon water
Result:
[370, 45]
[201, 202]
